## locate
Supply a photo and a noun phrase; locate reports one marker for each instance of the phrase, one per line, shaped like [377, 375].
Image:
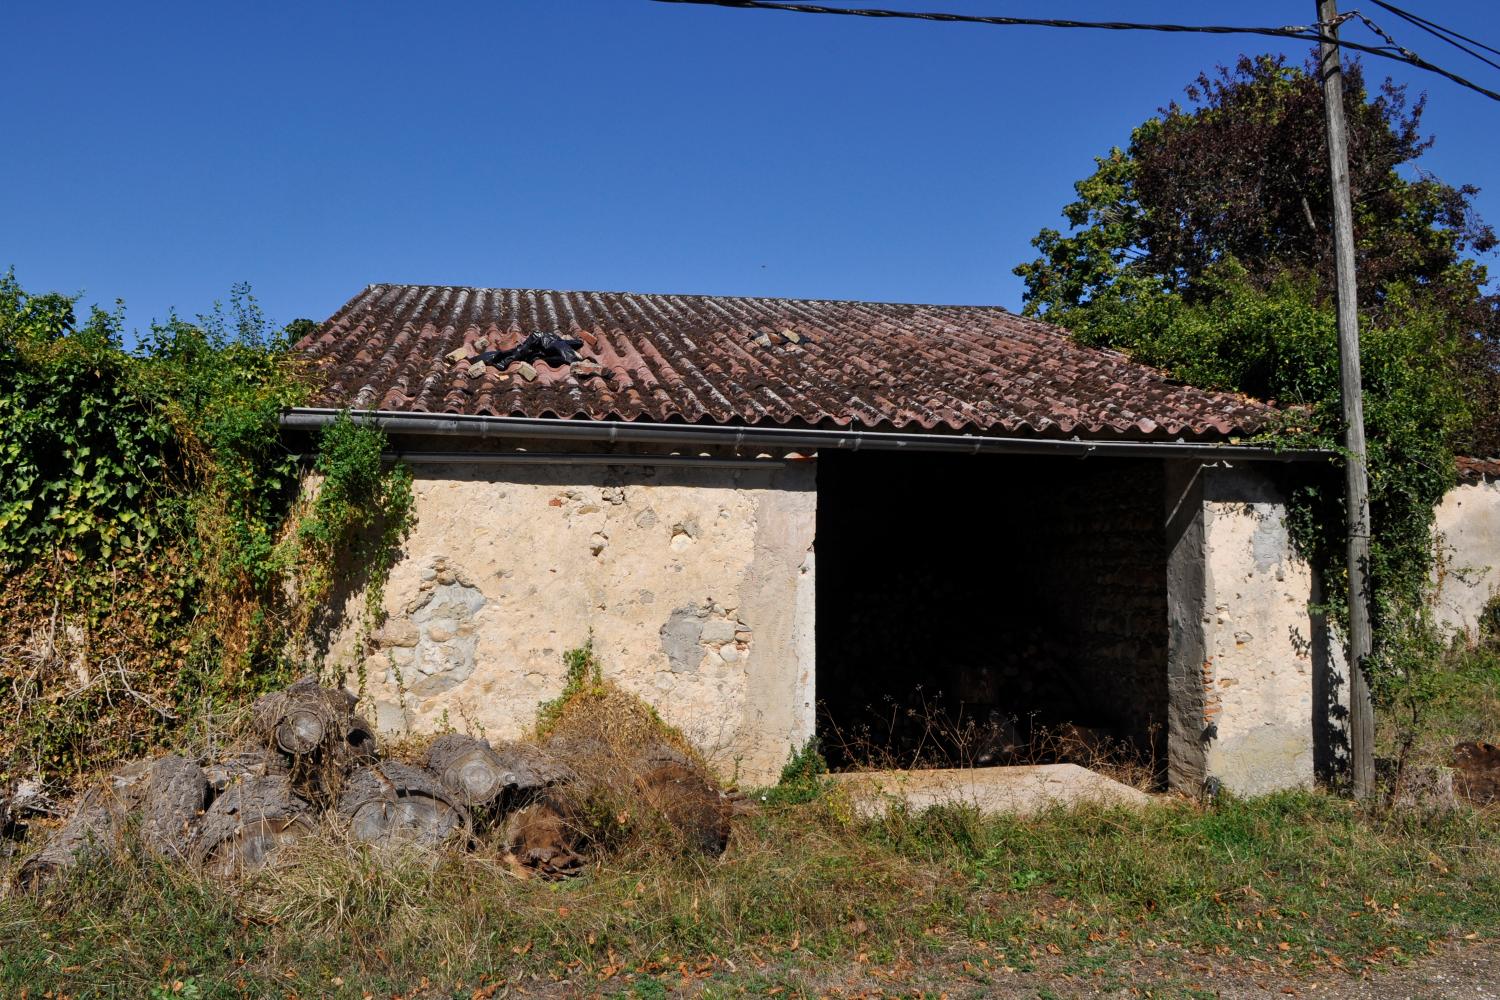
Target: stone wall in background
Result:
[697, 585]
[1102, 560]
[1468, 549]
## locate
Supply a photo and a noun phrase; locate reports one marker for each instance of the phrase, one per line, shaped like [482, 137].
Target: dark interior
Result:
[972, 608]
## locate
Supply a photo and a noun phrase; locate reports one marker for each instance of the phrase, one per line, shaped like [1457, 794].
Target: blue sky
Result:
[159, 153]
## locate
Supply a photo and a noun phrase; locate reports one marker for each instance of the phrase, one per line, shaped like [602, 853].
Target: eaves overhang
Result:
[761, 439]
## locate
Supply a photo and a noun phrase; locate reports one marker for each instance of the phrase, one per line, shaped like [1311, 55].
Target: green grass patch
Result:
[1299, 880]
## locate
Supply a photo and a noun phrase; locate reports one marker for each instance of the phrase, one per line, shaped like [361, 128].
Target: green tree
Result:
[1241, 175]
[1203, 248]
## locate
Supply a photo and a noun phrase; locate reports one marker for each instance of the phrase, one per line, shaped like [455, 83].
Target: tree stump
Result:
[303, 716]
[242, 764]
[391, 803]
[359, 741]
[93, 830]
[1477, 772]
[685, 798]
[317, 730]
[250, 819]
[468, 768]
[541, 839]
[97, 826]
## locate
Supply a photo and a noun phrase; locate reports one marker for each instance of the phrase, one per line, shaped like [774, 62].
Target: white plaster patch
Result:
[1257, 677]
[1467, 544]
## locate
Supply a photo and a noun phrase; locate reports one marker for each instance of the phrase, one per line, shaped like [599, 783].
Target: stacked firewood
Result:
[311, 766]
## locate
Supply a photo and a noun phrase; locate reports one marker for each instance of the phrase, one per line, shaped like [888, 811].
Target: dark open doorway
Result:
[970, 609]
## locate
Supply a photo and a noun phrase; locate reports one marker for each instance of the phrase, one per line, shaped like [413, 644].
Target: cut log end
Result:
[392, 803]
[250, 819]
[300, 731]
[251, 845]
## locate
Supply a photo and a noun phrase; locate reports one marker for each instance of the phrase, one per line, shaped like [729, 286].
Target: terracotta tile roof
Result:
[1478, 470]
[712, 359]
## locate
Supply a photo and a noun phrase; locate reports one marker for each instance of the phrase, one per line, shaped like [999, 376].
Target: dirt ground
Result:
[1463, 971]
[1466, 970]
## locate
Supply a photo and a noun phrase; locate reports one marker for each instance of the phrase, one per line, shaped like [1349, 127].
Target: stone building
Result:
[778, 517]
[1468, 550]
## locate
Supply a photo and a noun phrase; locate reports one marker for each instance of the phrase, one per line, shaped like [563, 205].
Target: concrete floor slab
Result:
[1018, 790]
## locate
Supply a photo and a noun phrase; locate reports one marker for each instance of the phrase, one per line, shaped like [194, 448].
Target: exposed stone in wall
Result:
[692, 633]
[1467, 545]
[431, 645]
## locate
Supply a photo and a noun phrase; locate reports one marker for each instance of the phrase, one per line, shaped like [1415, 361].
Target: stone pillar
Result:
[1187, 651]
[1241, 638]
[778, 591]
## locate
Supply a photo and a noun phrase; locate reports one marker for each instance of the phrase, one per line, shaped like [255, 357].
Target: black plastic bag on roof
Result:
[547, 347]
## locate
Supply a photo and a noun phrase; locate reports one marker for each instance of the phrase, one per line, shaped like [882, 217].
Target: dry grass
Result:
[1296, 881]
[802, 885]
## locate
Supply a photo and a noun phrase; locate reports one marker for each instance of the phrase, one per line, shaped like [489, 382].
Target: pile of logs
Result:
[311, 765]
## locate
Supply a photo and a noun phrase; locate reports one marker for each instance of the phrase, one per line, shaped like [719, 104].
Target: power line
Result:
[1043, 22]
[1438, 31]
[1419, 19]
[1306, 33]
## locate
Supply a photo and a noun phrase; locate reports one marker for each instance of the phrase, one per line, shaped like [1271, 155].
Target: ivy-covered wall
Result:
[160, 559]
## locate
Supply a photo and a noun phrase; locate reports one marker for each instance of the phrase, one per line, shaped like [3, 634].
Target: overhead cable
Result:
[1307, 33]
[1438, 31]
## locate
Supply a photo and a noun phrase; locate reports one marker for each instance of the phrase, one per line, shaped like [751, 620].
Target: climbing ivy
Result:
[358, 516]
[158, 552]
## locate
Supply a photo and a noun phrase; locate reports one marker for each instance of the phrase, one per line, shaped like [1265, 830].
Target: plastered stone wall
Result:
[1243, 659]
[697, 584]
[1468, 548]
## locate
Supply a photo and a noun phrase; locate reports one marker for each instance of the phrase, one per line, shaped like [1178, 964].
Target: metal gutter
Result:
[718, 435]
[577, 458]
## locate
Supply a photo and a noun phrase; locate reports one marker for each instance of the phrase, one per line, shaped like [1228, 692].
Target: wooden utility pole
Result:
[1356, 480]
